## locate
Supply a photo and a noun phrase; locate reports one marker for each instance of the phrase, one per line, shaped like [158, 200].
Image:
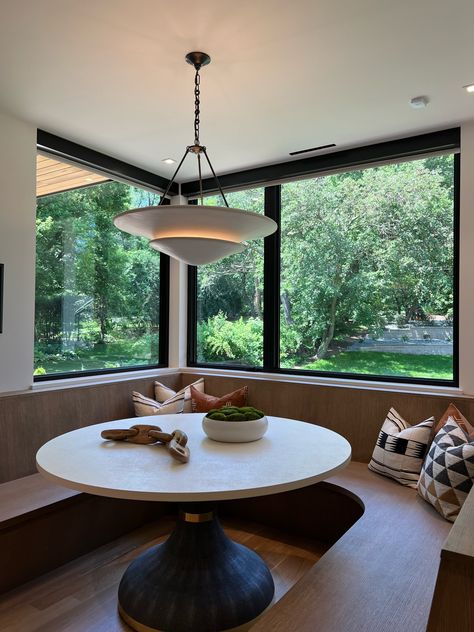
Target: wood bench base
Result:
[43, 526]
[379, 576]
[379, 573]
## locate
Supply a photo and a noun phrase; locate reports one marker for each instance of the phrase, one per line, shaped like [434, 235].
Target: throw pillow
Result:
[452, 411]
[147, 406]
[400, 448]
[166, 395]
[202, 403]
[448, 471]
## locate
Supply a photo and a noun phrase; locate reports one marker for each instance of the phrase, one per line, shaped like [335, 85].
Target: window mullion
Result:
[271, 283]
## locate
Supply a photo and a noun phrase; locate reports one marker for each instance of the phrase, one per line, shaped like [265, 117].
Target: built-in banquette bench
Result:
[42, 525]
[381, 570]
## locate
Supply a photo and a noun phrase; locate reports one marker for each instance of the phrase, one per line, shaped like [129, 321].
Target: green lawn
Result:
[65, 365]
[364, 362]
[121, 353]
[378, 363]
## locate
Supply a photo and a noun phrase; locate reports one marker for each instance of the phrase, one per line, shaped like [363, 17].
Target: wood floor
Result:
[82, 595]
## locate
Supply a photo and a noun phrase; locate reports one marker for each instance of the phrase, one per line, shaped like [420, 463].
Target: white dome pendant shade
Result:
[196, 234]
[196, 251]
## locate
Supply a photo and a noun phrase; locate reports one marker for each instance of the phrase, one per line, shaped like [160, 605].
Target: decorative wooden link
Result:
[145, 434]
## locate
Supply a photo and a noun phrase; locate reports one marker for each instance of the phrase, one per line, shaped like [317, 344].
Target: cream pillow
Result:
[146, 406]
[166, 395]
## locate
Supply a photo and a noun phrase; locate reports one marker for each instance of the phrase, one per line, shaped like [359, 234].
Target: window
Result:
[361, 280]
[367, 261]
[230, 298]
[97, 288]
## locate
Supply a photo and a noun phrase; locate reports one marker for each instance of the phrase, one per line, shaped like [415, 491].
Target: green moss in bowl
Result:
[235, 413]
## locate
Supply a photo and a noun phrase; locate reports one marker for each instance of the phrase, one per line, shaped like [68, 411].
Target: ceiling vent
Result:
[306, 151]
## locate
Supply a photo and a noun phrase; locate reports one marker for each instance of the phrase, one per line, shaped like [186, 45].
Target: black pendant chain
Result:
[197, 60]
[197, 103]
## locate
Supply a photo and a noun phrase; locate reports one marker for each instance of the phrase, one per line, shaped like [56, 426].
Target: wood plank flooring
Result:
[82, 596]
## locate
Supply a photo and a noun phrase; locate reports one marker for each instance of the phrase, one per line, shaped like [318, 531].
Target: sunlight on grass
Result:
[377, 363]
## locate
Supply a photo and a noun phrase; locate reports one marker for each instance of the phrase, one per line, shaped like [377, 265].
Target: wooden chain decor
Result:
[145, 434]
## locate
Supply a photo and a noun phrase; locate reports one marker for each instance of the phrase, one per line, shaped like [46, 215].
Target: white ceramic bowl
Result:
[235, 431]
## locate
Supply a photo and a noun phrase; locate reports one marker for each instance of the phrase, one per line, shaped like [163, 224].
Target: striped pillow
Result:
[400, 449]
[146, 406]
[166, 395]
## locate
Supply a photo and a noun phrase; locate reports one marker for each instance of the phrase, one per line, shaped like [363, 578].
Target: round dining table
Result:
[198, 580]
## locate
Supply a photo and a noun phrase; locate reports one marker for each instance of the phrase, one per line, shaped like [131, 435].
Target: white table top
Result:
[292, 454]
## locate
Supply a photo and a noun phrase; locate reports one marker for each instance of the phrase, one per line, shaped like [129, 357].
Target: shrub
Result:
[241, 341]
[222, 340]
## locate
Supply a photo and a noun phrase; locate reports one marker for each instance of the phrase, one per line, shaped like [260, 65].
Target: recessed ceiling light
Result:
[469, 88]
[419, 102]
[169, 161]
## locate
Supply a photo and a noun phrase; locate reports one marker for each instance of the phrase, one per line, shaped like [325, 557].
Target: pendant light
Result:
[196, 234]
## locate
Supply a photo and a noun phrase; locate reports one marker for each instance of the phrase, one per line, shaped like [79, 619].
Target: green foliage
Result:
[359, 250]
[114, 354]
[362, 248]
[95, 286]
[240, 341]
[234, 285]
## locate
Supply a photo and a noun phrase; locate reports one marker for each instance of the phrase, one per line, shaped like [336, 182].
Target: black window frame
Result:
[413, 147]
[61, 148]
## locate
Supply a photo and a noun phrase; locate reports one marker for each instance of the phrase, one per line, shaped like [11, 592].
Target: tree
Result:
[234, 285]
[359, 249]
[91, 276]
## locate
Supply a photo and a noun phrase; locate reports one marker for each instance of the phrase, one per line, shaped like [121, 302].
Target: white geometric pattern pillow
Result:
[166, 395]
[146, 406]
[448, 471]
[400, 449]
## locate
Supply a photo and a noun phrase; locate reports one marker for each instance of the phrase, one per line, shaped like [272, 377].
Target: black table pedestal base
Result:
[197, 581]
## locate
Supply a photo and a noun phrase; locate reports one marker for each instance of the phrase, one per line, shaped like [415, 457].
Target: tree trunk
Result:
[257, 299]
[285, 301]
[329, 334]
[103, 325]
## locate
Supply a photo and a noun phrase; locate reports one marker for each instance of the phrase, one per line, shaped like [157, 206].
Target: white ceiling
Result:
[110, 74]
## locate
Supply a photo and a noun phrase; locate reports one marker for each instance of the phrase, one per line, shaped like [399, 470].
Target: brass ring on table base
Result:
[135, 625]
[196, 517]
[139, 627]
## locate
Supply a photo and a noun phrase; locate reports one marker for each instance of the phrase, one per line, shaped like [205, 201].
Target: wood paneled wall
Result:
[356, 414]
[30, 419]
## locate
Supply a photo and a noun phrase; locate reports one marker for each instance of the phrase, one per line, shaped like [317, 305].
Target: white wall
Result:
[17, 250]
[178, 305]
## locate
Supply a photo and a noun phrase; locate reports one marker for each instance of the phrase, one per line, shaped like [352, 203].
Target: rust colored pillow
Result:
[452, 411]
[202, 403]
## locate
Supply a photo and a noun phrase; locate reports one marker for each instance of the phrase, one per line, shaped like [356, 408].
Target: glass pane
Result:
[230, 297]
[97, 288]
[367, 271]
